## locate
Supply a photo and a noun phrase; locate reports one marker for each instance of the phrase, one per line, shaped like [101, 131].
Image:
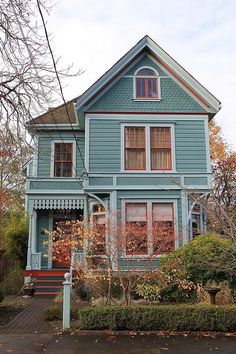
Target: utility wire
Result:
[59, 83]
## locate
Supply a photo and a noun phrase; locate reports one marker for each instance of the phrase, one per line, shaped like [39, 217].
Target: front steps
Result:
[49, 282]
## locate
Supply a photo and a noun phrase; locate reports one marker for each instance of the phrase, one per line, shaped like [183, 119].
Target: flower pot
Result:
[29, 292]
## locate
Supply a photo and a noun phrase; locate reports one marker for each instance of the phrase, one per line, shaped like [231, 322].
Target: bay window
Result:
[149, 228]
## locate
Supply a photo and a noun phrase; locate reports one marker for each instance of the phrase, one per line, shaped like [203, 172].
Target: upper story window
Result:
[63, 159]
[148, 148]
[147, 84]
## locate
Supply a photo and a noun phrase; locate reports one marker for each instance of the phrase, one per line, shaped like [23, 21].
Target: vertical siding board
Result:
[42, 223]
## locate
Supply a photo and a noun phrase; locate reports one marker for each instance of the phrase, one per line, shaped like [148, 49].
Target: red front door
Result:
[60, 254]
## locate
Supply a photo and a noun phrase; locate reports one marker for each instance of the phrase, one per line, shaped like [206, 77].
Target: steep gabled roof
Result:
[210, 103]
[56, 116]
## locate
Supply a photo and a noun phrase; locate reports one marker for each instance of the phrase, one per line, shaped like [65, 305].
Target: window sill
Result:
[146, 99]
[156, 172]
[145, 257]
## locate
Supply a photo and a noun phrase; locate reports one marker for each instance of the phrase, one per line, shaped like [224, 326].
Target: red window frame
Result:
[146, 89]
[134, 148]
[63, 161]
[171, 242]
[163, 147]
[130, 252]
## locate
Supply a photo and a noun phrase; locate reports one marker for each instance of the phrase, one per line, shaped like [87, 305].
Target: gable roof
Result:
[210, 103]
[56, 116]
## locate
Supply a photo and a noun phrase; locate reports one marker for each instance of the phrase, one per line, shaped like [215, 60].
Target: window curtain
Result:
[135, 148]
[160, 148]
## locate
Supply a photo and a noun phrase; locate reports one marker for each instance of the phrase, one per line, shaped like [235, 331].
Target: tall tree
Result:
[28, 85]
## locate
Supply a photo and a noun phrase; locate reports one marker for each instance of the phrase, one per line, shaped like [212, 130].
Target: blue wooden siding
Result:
[147, 181]
[195, 181]
[42, 223]
[105, 145]
[44, 151]
[58, 185]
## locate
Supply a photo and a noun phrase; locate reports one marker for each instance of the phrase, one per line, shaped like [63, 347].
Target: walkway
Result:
[30, 320]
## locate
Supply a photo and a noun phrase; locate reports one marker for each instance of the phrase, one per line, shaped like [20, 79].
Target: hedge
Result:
[160, 317]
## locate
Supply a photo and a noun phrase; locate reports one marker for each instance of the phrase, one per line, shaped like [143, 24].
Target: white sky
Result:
[199, 34]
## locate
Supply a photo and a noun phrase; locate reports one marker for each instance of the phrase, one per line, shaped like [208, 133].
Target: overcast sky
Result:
[199, 34]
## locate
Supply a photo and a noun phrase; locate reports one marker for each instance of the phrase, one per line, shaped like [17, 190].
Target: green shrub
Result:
[159, 317]
[1, 296]
[149, 291]
[173, 293]
[13, 282]
[55, 312]
[204, 258]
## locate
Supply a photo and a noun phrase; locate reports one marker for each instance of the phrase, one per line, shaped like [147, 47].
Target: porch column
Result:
[29, 251]
[34, 231]
[113, 231]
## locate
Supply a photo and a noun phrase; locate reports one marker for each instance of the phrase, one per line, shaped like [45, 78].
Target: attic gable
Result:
[188, 83]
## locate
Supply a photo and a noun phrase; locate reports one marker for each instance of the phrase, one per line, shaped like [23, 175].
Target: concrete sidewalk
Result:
[111, 344]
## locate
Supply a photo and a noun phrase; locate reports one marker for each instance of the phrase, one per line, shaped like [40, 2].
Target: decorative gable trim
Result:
[187, 81]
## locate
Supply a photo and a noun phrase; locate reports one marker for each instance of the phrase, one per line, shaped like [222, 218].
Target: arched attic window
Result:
[147, 84]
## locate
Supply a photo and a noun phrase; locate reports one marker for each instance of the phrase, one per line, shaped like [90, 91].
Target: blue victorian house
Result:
[135, 142]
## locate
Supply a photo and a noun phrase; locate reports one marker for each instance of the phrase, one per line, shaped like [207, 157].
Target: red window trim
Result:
[171, 165]
[173, 229]
[145, 150]
[136, 253]
[63, 161]
[146, 80]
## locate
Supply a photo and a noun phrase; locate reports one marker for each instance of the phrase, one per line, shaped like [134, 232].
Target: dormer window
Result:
[147, 85]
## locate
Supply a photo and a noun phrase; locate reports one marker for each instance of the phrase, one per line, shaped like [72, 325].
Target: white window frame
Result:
[69, 141]
[148, 147]
[157, 77]
[149, 203]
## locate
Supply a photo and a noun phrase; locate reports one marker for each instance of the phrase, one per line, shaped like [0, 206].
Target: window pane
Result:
[162, 227]
[146, 72]
[63, 159]
[135, 159]
[161, 148]
[135, 148]
[152, 88]
[136, 228]
[140, 88]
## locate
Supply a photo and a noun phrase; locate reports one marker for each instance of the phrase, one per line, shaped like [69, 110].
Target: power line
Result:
[59, 83]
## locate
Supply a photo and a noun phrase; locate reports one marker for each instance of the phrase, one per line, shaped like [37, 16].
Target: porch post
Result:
[113, 231]
[29, 251]
[34, 231]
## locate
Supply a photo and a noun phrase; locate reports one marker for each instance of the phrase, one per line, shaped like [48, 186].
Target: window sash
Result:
[146, 88]
[63, 159]
[136, 229]
[162, 228]
[161, 153]
[154, 228]
[135, 148]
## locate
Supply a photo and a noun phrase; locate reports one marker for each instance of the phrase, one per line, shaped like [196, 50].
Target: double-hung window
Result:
[149, 228]
[148, 148]
[63, 159]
